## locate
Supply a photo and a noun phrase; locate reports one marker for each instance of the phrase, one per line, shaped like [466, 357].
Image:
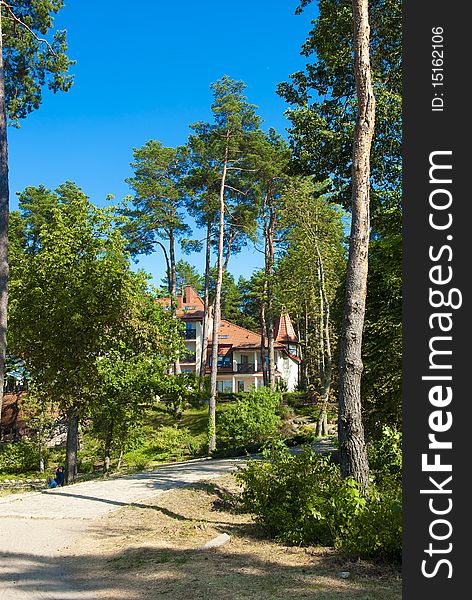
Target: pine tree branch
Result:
[27, 27]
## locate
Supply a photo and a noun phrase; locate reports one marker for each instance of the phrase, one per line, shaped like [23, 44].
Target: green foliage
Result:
[252, 421]
[382, 341]
[385, 456]
[186, 274]
[155, 211]
[18, 457]
[323, 114]
[29, 61]
[376, 530]
[167, 444]
[303, 500]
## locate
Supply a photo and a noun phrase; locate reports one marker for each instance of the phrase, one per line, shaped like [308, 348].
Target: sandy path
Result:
[37, 530]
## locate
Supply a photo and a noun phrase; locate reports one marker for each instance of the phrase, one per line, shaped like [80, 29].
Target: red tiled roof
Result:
[11, 412]
[189, 304]
[237, 336]
[284, 330]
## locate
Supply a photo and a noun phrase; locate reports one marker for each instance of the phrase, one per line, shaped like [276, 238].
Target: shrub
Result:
[303, 500]
[197, 444]
[168, 443]
[18, 457]
[376, 531]
[385, 456]
[252, 421]
[137, 459]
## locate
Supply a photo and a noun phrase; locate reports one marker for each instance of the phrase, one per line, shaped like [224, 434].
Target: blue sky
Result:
[143, 72]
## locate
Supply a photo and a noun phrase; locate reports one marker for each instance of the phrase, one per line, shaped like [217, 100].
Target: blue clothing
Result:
[52, 484]
[60, 477]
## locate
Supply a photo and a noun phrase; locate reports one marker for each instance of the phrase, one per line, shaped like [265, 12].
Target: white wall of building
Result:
[288, 368]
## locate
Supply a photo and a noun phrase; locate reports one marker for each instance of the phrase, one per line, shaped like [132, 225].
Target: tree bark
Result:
[41, 458]
[352, 449]
[217, 310]
[71, 446]
[173, 285]
[120, 460]
[265, 371]
[4, 202]
[269, 268]
[107, 457]
[327, 364]
[206, 311]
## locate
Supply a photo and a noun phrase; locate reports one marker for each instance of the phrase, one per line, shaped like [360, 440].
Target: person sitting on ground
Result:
[60, 474]
[51, 482]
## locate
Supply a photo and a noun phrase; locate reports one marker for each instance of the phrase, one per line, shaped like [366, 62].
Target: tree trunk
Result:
[173, 277]
[107, 457]
[71, 446]
[269, 268]
[4, 201]
[352, 450]
[168, 275]
[173, 285]
[217, 310]
[327, 363]
[41, 457]
[120, 460]
[265, 373]
[206, 311]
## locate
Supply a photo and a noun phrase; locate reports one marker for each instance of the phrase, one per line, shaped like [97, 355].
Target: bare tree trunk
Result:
[173, 277]
[206, 311]
[264, 365]
[71, 446]
[168, 275]
[120, 460]
[173, 285]
[327, 363]
[217, 310]
[269, 268]
[41, 457]
[352, 450]
[4, 201]
[107, 457]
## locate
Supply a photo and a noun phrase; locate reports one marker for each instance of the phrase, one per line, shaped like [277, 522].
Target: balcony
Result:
[190, 334]
[246, 368]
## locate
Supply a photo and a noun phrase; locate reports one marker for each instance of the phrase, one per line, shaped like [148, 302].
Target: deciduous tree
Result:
[31, 57]
[75, 300]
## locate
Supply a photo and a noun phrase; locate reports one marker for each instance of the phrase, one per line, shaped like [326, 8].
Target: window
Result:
[240, 386]
[224, 361]
[292, 348]
[225, 387]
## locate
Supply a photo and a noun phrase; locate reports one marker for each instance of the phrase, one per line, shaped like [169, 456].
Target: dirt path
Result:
[37, 530]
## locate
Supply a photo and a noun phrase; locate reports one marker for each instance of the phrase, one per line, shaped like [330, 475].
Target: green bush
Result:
[385, 456]
[18, 457]
[252, 421]
[303, 500]
[168, 443]
[376, 530]
[137, 459]
[296, 399]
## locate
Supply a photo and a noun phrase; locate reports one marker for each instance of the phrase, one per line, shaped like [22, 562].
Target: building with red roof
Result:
[239, 349]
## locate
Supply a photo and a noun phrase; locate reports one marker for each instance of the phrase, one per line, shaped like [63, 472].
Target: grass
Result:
[151, 550]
